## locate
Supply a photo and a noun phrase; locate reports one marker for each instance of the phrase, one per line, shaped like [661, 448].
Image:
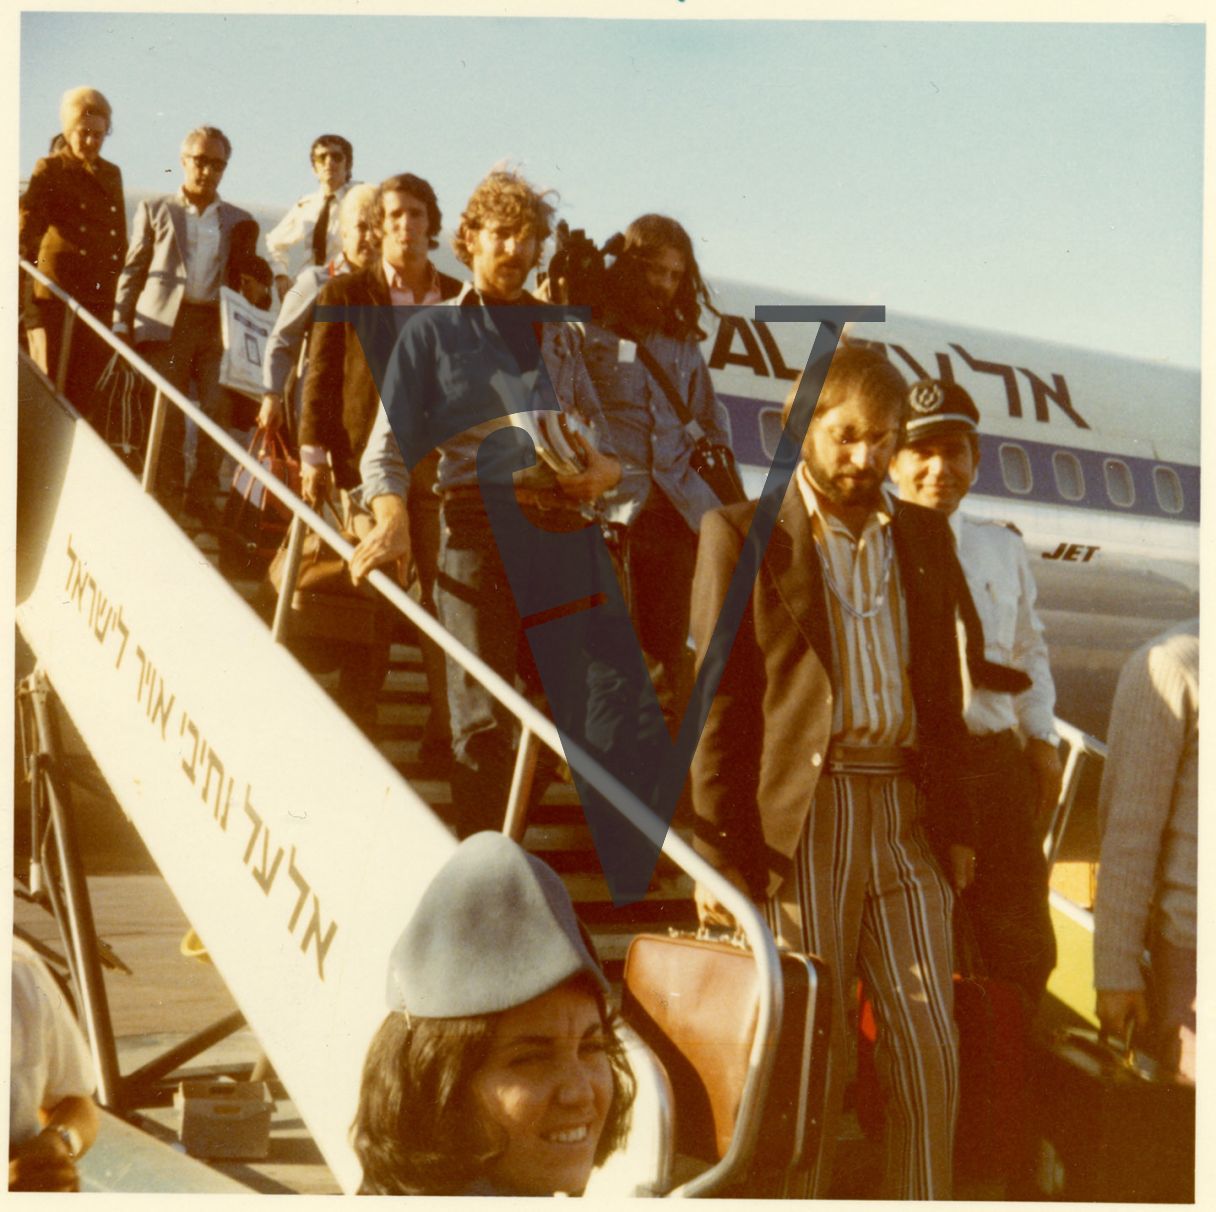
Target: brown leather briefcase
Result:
[695, 1003]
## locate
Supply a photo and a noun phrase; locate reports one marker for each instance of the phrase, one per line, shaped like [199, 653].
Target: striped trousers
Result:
[867, 897]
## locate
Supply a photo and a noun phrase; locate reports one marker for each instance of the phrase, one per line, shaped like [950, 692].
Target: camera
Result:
[576, 272]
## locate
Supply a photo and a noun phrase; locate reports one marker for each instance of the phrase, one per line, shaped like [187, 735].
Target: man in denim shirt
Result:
[454, 377]
[654, 294]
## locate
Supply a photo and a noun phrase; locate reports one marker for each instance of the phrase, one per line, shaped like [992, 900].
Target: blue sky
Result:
[1045, 179]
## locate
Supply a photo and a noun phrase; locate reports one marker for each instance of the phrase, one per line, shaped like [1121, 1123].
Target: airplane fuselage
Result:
[1093, 457]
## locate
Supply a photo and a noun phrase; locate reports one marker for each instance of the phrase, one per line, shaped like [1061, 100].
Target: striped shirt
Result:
[873, 700]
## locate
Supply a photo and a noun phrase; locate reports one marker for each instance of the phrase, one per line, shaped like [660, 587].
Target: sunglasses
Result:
[208, 162]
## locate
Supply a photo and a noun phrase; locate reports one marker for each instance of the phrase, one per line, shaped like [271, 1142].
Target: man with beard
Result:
[648, 329]
[454, 377]
[829, 757]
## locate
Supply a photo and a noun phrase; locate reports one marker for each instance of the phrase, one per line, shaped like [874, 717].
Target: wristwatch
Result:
[71, 1139]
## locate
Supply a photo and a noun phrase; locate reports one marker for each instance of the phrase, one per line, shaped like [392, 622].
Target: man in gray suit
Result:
[167, 305]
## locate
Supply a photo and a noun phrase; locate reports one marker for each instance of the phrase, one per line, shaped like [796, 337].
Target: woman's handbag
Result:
[254, 521]
[329, 612]
[695, 1001]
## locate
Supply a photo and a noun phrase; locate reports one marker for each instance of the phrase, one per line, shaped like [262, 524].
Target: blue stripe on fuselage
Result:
[745, 413]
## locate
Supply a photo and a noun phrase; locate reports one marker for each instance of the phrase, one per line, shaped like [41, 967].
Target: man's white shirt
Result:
[202, 251]
[998, 574]
[289, 242]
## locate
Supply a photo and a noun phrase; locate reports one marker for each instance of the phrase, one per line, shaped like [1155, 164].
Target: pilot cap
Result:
[494, 929]
[937, 407]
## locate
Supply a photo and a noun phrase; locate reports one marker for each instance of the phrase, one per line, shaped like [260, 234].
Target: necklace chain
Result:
[843, 598]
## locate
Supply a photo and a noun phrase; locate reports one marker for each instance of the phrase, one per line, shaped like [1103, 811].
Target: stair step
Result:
[557, 830]
[587, 888]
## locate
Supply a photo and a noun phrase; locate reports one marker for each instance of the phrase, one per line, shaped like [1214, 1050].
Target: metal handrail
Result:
[1081, 748]
[534, 725]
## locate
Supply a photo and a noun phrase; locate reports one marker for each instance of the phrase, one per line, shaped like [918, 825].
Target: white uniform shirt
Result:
[203, 266]
[289, 242]
[50, 1060]
[998, 574]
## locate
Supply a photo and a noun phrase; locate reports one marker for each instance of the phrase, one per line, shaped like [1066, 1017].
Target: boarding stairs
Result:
[337, 827]
[242, 774]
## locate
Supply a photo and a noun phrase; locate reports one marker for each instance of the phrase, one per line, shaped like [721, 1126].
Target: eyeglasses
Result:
[208, 162]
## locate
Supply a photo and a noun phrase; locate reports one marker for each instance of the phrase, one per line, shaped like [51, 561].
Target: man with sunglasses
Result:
[309, 233]
[167, 306]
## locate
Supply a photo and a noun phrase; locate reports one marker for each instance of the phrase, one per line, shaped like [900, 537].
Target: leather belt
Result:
[526, 498]
[869, 759]
[995, 740]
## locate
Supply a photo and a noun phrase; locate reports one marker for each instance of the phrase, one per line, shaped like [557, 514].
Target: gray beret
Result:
[494, 929]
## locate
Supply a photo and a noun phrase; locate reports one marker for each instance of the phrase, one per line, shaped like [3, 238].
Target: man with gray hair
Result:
[286, 343]
[167, 306]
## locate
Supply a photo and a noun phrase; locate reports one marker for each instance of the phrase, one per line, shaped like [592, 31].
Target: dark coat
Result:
[73, 227]
[340, 393]
[770, 725]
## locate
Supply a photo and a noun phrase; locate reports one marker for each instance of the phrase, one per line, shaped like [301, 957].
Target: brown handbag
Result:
[695, 1003]
[327, 604]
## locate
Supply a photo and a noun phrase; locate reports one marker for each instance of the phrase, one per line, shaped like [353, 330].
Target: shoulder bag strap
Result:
[661, 377]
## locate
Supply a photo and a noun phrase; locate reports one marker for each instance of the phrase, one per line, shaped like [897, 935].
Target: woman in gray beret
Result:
[497, 1071]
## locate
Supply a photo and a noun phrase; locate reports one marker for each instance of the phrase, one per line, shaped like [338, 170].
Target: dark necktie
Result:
[320, 234]
[986, 673]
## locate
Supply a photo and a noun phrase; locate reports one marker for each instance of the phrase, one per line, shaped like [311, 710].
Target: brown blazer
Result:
[73, 227]
[770, 725]
[340, 392]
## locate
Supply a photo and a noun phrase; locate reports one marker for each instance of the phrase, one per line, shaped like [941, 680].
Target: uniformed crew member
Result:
[1014, 756]
[308, 234]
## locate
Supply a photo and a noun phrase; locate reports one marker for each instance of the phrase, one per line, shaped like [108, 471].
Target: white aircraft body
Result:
[1093, 457]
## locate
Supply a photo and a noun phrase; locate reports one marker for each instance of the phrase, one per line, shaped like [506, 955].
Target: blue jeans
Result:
[475, 604]
[593, 673]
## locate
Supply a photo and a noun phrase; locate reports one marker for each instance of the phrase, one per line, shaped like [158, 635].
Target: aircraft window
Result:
[1169, 489]
[770, 430]
[1119, 486]
[1015, 468]
[1070, 479]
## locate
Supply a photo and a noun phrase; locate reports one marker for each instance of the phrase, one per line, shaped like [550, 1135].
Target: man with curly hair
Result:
[454, 376]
